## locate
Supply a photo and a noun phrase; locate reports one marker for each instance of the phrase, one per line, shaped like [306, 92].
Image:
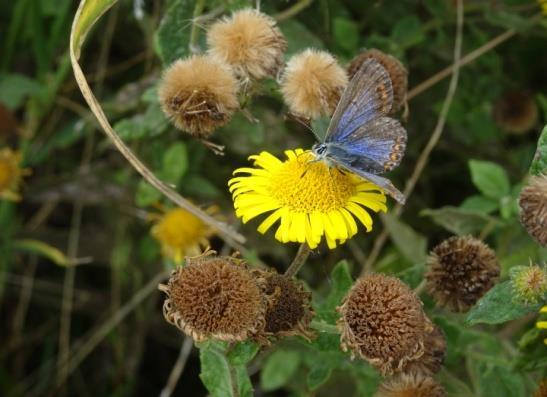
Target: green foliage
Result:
[279, 368]
[539, 165]
[411, 244]
[489, 178]
[172, 39]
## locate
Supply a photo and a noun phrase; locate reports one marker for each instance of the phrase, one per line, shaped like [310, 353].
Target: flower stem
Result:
[298, 261]
[322, 326]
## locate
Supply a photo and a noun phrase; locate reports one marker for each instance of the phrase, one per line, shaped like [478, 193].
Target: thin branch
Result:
[193, 45]
[293, 10]
[299, 260]
[178, 368]
[433, 140]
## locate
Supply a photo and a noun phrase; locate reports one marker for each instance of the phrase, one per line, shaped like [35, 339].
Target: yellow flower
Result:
[543, 324]
[310, 199]
[10, 174]
[543, 5]
[180, 234]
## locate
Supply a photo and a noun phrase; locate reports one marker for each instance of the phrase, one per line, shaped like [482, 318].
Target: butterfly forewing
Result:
[369, 95]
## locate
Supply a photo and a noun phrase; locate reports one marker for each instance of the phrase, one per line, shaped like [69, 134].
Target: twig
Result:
[433, 140]
[421, 287]
[178, 368]
[299, 260]
[292, 10]
[77, 37]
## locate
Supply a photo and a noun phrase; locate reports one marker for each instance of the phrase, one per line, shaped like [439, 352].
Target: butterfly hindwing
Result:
[369, 95]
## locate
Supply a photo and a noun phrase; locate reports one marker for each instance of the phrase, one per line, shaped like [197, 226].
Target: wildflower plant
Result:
[265, 263]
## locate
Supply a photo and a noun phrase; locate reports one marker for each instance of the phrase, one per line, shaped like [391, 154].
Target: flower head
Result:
[461, 271]
[198, 94]
[382, 321]
[529, 283]
[515, 112]
[533, 208]
[310, 199]
[180, 234]
[542, 324]
[410, 385]
[312, 84]
[250, 42]
[396, 70]
[10, 174]
[434, 351]
[289, 309]
[214, 297]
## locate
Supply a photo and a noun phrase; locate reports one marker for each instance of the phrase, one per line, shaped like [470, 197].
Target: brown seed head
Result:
[434, 351]
[396, 70]
[198, 94]
[288, 309]
[515, 112]
[312, 84]
[250, 42]
[410, 385]
[382, 321]
[533, 208]
[461, 271]
[214, 297]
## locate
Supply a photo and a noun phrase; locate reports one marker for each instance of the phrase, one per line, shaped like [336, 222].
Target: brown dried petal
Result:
[410, 385]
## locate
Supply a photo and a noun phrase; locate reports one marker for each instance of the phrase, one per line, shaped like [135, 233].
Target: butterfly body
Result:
[360, 137]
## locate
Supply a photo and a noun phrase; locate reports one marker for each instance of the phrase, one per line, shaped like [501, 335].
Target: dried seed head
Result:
[214, 297]
[542, 389]
[312, 84]
[250, 42]
[410, 385]
[533, 208]
[198, 94]
[288, 309]
[434, 351]
[382, 321]
[515, 112]
[529, 283]
[396, 70]
[461, 271]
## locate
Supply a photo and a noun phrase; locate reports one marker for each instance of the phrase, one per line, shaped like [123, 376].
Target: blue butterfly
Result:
[360, 137]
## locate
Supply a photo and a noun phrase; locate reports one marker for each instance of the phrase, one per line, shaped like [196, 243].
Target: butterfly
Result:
[360, 137]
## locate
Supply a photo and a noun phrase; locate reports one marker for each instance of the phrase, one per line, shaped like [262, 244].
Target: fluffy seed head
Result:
[529, 283]
[533, 208]
[434, 351]
[410, 385]
[214, 297]
[382, 321]
[250, 42]
[288, 310]
[312, 84]
[396, 70]
[198, 94]
[515, 112]
[461, 271]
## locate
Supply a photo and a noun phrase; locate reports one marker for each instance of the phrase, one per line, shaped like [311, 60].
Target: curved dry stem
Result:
[229, 235]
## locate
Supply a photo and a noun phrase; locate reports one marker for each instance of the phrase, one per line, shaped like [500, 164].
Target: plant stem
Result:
[178, 368]
[292, 10]
[322, 326]
[299, 260]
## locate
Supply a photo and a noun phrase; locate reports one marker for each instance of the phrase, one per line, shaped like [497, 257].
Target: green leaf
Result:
[280, 366]
[175, 163]
[42, 249]
[341, 283]
[14, 88]
[346, 33]
[539, 164]
[482, 204]
[172, 37]
[219, 375]
[243, 352]
[498, 306]
[410, 243]
[298, 37]
[458, 220]
[319, 373]
[408, 32]
[146, 194]
[489, 178]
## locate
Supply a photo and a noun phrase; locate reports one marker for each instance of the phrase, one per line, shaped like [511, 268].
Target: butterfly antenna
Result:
[299, 120]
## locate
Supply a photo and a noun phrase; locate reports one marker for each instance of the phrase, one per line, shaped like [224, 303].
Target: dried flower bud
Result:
[533, 208]
[396, 70]
[515, 112]
[529, 283]
[214, 297]
[250, 42]
[198, 94]
[312, 84]
[382, 321]
[410, 385]
[461, 271]
[288, 309]
[542, 389]
[434, 351]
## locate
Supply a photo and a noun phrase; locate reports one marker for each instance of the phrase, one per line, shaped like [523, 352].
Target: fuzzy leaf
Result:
[341, 283]
[173, 35]
[175, 163]
[480, 203]
[489, 178]
[459, 221]
[280, 366]
[539, 164]
[319, 373]
[410, 243]
[498, 306]
[243, 352]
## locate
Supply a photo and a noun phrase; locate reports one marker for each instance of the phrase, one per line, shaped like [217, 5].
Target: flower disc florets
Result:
[434, 351]
[529, 283]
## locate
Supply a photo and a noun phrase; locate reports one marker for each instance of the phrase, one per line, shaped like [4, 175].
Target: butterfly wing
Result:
[369, 95]
[375, 147]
